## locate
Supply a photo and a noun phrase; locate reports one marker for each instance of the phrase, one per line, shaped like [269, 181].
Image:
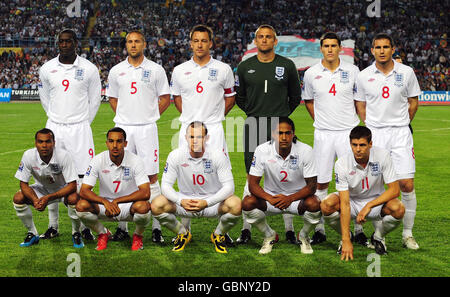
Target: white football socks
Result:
[410, 202]
[321, 194]
[310, 219]
[226, 222]
[91, 220]
[333, 220]
[288, 222]
[257, 218]
[389, 223]
[141, 220]
[24, 213]
[53, 215]
[170, 221]
[76, 222]
[155, 191]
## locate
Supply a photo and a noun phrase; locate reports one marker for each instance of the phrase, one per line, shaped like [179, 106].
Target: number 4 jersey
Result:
[386, 96]
[283, 176]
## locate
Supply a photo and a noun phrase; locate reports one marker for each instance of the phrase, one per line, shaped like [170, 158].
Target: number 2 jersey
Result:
[283, 176]
[365, 183]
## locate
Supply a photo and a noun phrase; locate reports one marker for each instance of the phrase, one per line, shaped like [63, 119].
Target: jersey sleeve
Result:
[307, 90]
[229, 85]
[68, 170]
[139, 172]
[44, 89]
[162, 84]
[240, 87]
[175, 88]
[224, 168]
[94, 94]
[309, 164]
[340, 177]
[91, 175]
[389, 175]
[358, 89]
[170, 172]
[294, 92]
[23, 173]
[257, 166]
[112, 89]
[413, 88]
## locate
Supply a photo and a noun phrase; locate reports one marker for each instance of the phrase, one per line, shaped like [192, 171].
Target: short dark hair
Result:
[361, 132]
[383, 36]
[286, 120]
[45, 131]
[330, 35]
[117, 129]
[201, 28]
[195, 124]
[71, 32]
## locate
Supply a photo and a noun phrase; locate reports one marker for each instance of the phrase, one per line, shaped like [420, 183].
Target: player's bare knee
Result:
[234, 205]
[406, 185]
[327, 206]
[157, 205]
[312, 203]
[19, 198]
[397, 209]
[141, 207]
[72, 199]
[83, 205]
[249, 203]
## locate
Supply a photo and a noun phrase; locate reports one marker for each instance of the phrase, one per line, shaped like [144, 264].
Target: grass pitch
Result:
[50, 257]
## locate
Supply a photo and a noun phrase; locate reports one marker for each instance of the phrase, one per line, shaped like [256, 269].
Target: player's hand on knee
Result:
[283, 201]
[111, 209]
[42, 203]
[361, 218]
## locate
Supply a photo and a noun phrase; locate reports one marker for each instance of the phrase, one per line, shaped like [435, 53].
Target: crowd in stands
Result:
[419, 29]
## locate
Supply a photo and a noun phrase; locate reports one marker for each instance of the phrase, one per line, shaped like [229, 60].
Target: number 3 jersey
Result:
[365, 183]
[283, 176]
[386, 96]
[52, 176]
[202, 90]
[199, 178]
[115, 181]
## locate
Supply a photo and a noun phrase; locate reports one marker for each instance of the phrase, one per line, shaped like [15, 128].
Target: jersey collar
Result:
[76, 63]
[356, 165]
[125, 160]
[339, 68]
[291, 155]
[394, 70]
[42, 163]
[204, 66]
[144, 62]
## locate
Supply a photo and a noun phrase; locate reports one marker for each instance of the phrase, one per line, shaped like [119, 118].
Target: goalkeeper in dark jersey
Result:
[267, 87]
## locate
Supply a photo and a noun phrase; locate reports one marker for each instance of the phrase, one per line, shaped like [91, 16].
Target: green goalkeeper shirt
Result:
[267, 89]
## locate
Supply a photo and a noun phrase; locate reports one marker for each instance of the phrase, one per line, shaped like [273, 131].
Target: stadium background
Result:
[27, 40]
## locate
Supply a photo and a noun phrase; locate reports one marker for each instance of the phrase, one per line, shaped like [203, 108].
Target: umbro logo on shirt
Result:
[187, 73]
[184, 165]
[251, 71]
[122, 74]
[318, 77]
[371, 79]
[53, 71]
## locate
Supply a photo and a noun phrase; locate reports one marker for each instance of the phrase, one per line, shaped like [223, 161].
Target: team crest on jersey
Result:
[126, 173]
[375, 168]
[79, 74]
[145, 75]
[398, 78]
[279, 72]
[207, 166]
[55, 168]
[344, 77]
[293, 162]
[21, 165]
[213, 74]
[88, 171]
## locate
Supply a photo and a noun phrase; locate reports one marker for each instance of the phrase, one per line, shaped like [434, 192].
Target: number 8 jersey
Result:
[386, 96]
[283, 176]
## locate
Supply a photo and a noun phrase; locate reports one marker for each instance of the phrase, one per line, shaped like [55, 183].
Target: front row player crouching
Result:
[206, 189]
[290, 179]
[55, 178]
[360, 179]
[124, 191]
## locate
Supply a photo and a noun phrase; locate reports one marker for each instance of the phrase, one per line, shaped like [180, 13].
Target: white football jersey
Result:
[365, 183]
[386, 96]
[138, 90]
[332, 92]
[283, 176]
[199, 178]
[70, 93]
[202, 90]
[52, 176]
[116, 181]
